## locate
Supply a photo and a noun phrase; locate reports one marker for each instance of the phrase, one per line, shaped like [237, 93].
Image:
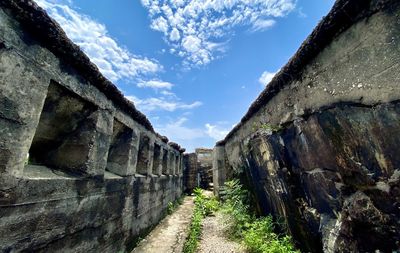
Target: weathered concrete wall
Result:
[198, 169]
[80, 169]
[190, 173]
[320, 145]
[204, 161]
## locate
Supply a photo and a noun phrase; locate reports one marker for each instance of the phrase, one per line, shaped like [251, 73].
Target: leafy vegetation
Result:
[257, 234]
[173, 205]
[204, 206]
[266, 127]
[270, 127]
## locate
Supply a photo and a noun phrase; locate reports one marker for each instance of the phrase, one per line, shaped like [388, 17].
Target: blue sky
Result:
[193, 67]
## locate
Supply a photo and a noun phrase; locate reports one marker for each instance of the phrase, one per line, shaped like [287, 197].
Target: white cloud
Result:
[160, 24]
[162, 104]
[197, 29]
[155, 84]
[175, 35]
[216, 132]
[114, 61]
[266, 77]
[181, 132]
[262, 25]
[191, 43]
[168, 93]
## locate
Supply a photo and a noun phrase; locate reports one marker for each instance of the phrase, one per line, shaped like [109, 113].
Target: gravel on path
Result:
[214, 238]
[170, 235]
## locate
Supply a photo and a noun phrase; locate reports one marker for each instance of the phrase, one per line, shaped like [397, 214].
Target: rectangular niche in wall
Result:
[118, 153]
[156, 159]
[165, 162]
[143, 155]
[177, 165]
[171, 163]
[64, 134]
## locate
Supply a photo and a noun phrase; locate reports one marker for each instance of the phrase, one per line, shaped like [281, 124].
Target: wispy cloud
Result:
[170, 104]
[266, 77]
[196, 30]
[180, 132]
[216, 132]
[262, 25]
[113, 60]
[155, 84]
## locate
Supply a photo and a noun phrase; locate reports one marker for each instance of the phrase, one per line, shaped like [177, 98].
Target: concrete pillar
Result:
[219, 168]
[123, 140]
[133, 152]
[145, 155]
[157, 159]
[22, 94]
[151, 156]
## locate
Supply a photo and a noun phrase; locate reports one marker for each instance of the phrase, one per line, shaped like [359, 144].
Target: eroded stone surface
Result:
[198, 171]
[319, 148]
[76, 158]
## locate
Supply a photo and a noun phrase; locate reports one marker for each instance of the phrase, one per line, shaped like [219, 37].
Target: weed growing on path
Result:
[173, 205]
[257, 234]
[204, 206]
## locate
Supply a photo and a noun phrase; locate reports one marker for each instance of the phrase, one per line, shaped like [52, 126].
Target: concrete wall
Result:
[198, 169]
[78, 171]
[321, 151]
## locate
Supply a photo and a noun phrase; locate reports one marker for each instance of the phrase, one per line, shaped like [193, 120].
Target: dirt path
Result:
[169, 236]
[214, 239]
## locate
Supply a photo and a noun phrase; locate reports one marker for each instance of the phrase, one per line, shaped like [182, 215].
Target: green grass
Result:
[204, 206]
[173, 205]
[257, 234]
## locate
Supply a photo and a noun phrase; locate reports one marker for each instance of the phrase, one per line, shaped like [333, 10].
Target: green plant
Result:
[207, 205]
[170, 208]
[269, 127]
[204, 206]
[257, 234]
[260, 237]
[173, 205]
[192, 240]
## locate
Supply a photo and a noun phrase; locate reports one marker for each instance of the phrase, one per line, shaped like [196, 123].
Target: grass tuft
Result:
[256, 233]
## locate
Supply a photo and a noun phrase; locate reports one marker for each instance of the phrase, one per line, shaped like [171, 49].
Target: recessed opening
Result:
[171, 164]
[62, 137]
[177, 167]
[143, 155]
[157, 159]
[165, 162]
[118, 153]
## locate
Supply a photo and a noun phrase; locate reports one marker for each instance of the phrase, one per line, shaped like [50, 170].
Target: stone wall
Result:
[81, 170]
[319, 147]
[198, 169]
